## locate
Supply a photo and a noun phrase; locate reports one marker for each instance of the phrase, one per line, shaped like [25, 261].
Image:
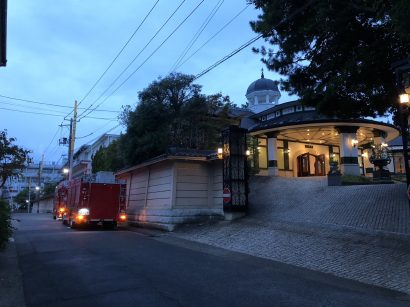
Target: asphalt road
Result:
[65, 267]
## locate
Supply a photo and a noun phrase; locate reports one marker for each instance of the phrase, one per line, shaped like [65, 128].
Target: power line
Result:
[197, 34]
[133, 60]
[251, 41]
[163, 42]
[213, 36]
[119, 53]
[49, 104]
[87, 135]
[25, 106]
[48, 114]
[58, 129]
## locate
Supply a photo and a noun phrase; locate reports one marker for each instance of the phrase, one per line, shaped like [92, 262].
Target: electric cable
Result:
[120, 52]
[197, 34]
[135, 58]
[251, 41]
[45, 150]
[87, 135]
[116, 57]
[37, 108]
[48, 114]
[50, 104]
[130, 75]
[213, 36]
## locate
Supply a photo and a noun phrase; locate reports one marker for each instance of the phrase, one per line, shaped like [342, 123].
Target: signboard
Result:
[226, 195]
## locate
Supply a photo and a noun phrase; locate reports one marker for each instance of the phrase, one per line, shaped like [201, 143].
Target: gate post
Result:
[235, 172]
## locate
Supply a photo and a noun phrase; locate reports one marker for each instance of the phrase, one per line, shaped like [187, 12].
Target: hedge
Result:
[5, 224]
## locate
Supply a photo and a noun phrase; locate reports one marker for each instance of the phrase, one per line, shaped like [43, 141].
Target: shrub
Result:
[5, 224]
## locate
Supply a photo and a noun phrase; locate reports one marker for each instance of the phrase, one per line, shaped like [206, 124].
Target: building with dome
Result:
[294, 140]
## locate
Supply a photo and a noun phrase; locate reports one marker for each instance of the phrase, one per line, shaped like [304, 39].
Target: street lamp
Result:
[402, 71]
[38, 198]
[65, 170]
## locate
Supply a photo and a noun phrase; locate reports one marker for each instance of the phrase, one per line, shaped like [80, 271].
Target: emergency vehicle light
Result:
[84, 211]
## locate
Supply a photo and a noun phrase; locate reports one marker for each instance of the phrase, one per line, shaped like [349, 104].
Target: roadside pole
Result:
[40, 170]
[29, 194]
[73, 126]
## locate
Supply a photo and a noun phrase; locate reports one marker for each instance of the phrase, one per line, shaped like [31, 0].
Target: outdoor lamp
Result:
[66, 170]
[220, 152]
[247, 152]
[404, 98]
[354, 142]
[37, 188]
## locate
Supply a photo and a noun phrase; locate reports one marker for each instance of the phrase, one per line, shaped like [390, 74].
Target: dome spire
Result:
[262, 75]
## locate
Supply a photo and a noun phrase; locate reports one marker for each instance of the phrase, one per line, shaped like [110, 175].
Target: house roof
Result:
[173, 154]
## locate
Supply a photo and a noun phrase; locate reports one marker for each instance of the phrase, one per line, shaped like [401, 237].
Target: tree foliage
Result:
[12, 158]
[335, 54]
[21, 197]
[172, 112]
[108, 159]
[5, 224]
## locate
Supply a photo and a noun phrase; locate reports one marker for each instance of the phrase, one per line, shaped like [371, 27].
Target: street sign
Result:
[226, 195]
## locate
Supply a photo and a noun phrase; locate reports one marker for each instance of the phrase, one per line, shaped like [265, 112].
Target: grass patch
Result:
[353, 180]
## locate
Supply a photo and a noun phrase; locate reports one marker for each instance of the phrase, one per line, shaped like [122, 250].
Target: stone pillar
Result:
[349, 163]
[272, 155]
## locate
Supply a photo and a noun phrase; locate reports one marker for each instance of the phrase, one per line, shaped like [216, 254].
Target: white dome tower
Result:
[262, 94]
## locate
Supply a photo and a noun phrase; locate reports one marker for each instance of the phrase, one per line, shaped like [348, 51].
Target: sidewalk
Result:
[11, 285]
[359, 232]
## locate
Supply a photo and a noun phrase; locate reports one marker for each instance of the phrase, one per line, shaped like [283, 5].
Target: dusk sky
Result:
[57, 50]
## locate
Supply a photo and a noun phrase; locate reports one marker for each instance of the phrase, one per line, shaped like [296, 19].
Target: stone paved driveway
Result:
[356, 232]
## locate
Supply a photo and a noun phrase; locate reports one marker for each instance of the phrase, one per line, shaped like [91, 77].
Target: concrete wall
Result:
[46, 206]
[170, 193]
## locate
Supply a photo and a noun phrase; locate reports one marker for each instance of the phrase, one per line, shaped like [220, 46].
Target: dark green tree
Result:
[336, 55]
[172, 112]
[21, 197]
[12, 158]
[5, 223]
[48, 189]
[108, 159]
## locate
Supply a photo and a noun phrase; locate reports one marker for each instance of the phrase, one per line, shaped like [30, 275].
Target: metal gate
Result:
[235, 169]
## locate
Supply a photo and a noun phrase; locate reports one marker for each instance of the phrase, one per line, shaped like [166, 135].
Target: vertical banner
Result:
[235, 169]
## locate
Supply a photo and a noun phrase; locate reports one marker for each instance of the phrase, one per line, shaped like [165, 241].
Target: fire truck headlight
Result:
[123, 216]
[84, 211]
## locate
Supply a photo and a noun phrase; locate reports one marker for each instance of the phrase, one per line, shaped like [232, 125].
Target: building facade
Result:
[34, 174]
[82, 159]
[294, 140]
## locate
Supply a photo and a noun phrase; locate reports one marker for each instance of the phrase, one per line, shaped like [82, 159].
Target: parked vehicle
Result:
[60, 201]
[95, 203]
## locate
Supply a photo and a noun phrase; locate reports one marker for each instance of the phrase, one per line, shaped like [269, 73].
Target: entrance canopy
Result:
[326, 132]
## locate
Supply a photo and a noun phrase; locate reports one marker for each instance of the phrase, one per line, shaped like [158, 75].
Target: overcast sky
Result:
[58, 49]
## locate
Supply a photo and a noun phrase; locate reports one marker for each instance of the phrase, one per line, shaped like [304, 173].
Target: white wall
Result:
[174, 192]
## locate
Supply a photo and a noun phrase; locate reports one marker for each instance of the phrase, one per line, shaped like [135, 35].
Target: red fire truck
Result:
[95, 203]
[60, 200]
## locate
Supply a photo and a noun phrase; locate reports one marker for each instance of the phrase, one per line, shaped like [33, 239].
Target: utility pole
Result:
[29, 194]
[40, 170]
[73, 126]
